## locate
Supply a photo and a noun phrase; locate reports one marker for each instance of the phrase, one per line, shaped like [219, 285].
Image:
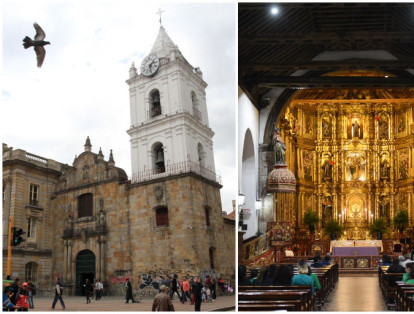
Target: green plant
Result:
[311, 217]
[400, 220]
[333, 226]
[379, 225]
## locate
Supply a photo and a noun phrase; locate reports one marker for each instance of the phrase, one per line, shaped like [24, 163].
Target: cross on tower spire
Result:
[160, 12]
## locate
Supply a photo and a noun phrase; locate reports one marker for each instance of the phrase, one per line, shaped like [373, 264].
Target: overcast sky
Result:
[80, 90]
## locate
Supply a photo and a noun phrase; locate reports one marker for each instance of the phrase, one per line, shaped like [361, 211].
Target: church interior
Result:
[326, 141]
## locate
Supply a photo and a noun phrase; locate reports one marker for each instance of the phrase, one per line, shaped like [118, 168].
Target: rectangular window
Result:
[34, 190]
[207, 209]
[4, 192]
[211, 253]
[161, 216]
[85, 203]
[31, 228]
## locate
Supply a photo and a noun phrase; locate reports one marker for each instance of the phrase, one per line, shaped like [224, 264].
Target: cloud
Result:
[81, 91]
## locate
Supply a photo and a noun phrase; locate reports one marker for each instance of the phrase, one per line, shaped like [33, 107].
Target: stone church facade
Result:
[90, 220]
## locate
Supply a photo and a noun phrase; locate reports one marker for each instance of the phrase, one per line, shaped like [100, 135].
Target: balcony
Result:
[153, 112]
[34, 203]
[174, 169]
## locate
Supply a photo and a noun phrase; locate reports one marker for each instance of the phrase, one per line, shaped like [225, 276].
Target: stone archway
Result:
[85, 269]
[248, 183]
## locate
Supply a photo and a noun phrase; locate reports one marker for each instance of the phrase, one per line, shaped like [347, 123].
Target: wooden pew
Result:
[258, 296]
[266, 305]
[404, 294]
[388, 291]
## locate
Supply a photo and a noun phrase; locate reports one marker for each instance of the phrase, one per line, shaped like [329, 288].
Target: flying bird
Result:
[37, 43]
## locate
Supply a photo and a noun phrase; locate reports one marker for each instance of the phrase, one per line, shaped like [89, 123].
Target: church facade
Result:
[93, 221]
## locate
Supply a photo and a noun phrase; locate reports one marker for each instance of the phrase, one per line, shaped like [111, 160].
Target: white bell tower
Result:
[169, 130]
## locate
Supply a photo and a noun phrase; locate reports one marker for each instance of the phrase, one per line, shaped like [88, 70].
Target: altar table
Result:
[355, 251]
[356, 243]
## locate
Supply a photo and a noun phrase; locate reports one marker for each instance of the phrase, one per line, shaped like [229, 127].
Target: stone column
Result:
[65, 261]
[69, 261]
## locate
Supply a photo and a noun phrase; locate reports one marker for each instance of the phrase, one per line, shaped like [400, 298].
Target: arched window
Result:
[201, 155]
[85, 205]
[31, 271]
[158, 158]
[161, 216]
[194, 101]
[155, 102]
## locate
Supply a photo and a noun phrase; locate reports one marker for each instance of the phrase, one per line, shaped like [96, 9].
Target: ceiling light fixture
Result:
[274, 10]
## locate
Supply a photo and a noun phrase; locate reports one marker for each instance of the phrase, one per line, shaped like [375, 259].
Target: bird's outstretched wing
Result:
[40, 53]
[40, 34]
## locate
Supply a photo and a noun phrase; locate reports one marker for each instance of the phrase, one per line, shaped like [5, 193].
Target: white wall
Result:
[248, 119]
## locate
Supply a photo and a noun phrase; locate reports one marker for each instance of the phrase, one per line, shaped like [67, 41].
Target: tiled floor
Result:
[356, 294]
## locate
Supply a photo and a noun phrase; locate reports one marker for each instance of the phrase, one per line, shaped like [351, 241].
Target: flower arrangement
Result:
[332, 162]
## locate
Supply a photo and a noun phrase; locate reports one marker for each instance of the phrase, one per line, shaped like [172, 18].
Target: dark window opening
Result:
[207, 210]
[211, 253]
[161, 216]
[85, 203]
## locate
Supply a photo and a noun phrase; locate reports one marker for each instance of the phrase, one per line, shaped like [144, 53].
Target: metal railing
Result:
[153, 112]
[197, 114]
[174, 169]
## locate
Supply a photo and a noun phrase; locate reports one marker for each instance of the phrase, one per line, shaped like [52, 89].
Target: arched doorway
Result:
[249, 184]
[85, 269]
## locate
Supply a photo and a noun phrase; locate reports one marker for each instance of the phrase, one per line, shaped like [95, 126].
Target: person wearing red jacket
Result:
[23, 298]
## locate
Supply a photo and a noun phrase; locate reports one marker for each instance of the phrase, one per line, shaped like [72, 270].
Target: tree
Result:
[401, 221]
[334, 229]
[311, 218]
[378, 227]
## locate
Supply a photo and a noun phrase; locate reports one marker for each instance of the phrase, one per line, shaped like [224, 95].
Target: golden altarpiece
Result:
[352, 153]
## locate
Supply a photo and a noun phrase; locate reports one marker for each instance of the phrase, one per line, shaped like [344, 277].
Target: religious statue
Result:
[354, 167]
[327, 170]
[101, 218]
[326, 128]
[385, 170]
[69, 222]
[308, 125]
[355, 129]
[279, 148]
[383, 128]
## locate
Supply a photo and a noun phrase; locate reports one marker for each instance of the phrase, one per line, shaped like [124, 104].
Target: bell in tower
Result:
[159, 162]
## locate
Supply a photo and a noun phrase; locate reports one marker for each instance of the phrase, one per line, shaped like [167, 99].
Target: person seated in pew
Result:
[284, 275]
[253, 276]
[271, 275]
[302, 278]
[408, 268]
[242, 280]
[385, 261]
[315, 279]
[327, 259]
[401, 259]
[262, 275]
[395, 268]
[317, 261]
[407, 260]
[410, 280]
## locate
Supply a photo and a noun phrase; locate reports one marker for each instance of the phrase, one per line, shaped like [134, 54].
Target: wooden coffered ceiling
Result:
[369, 36]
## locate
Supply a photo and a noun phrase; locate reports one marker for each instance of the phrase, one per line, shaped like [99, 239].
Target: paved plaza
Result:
[117, 303]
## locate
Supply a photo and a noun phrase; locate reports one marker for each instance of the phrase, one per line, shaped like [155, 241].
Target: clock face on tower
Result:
[150, 65]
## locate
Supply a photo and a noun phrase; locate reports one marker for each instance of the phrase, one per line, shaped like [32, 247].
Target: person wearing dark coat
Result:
[129, 292]
[88, 288]
[271, 276]
[395, 268]
[16, 287]
[197, 288]
[243, 281]
[284, 275]
[175, 289]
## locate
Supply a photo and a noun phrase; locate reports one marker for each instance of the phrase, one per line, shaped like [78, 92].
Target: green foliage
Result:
[333, 226]
[310, 217]
[379, 225]
[400, 219]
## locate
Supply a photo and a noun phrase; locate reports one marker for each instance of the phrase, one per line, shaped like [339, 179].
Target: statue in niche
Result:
[101, 218]
[355, 166]
[385, 169]
[69, 222]
[401, 123]
[403, 164]
[327, 170]
[383, 128]
[279, 148]
[384, 207]
[308, 125]
[307, 165]
[355, 128]
[327, 209]
[326, 129]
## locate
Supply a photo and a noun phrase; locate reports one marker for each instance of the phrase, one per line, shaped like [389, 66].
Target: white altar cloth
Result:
[356, 243]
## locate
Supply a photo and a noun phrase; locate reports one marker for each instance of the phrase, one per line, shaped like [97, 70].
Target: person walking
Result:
[23, 298]
[100, 289]
[97, 290]
[88, 287]
[197, 288]
[186, 290]
[13, 296]
[58, 294]
[162, 301]
[128, 287]
[32, 291]
[175, 288]
[213, 288]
